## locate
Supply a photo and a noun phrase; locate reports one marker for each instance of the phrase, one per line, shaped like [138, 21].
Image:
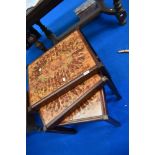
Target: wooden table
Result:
[67, 76]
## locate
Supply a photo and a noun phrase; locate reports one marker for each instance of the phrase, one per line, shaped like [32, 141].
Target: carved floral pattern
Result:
[54, 108]
[61, 64]
[89, 110]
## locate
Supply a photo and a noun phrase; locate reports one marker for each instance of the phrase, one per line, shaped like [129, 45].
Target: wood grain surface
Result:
[58, 66]
[94, 107]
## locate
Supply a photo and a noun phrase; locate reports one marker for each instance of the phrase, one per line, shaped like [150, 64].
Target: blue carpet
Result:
[96, 138]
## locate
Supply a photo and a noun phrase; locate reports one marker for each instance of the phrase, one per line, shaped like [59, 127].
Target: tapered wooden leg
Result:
[62, 130]
[114, 89]
[31, 126]
[113, 122]
[49, 34]
[40, 45]
[30, 34]
[111, 84]
[30, 120]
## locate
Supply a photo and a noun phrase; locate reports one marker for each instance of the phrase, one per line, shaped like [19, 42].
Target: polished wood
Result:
[120, 12]
[40, 10]
[31, 125]
[33, 16]
[31, 33]
[55, 110]
[69, 61]
[49, 34]
[93, 109]
[32, 38]
[51, 111]
[88, 15]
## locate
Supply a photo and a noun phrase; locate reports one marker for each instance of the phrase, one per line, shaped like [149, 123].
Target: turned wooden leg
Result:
[49, 34]
[40, 45]
[32, 126]
[120, 12]
[29, 32]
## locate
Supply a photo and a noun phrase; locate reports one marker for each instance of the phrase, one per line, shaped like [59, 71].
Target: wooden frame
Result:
[84, 91]
[34, 16]
[32, 126]
[67, 111]
[93, 109]
[117, 11]
[40, 10]
[104, 117]
[106, 80]
[104, 71]
[86, 73]
[63, 130]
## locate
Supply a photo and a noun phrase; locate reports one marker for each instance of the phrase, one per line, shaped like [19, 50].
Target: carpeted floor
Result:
[96, 138]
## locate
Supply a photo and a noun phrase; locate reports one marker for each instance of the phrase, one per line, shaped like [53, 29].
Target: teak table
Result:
[65, 77]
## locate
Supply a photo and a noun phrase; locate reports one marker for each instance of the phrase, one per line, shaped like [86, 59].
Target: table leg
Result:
[31, 32]
[120, 12]
[111, 84]
[39, 44]
[49, 34]
[62, 130]
[32, 126]
[113, 122]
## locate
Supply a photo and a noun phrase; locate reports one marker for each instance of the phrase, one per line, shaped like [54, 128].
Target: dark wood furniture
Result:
[31, 125]
[40, 10]
[66, 77]
[33, 16]
[61, 68]
[86, 14]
